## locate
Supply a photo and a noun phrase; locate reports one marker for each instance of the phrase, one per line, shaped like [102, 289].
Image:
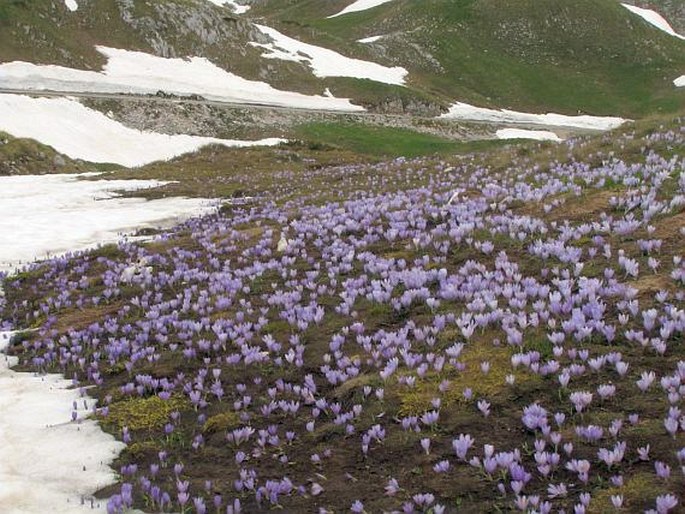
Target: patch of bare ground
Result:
[583, 208]
[81, 319]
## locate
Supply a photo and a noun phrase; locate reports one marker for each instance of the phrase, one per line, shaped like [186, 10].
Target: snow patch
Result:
[47, 461]
[141, 73]
[370, 39]
[71, 5]
[680, 81]
[653, 18]
[237, 8]
[360, 5]
[538, 135]
[463, 111]
[82, 133]
[53, 214]
[325, 62]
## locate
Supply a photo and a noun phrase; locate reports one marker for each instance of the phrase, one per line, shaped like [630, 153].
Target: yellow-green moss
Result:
[116, 368]
[143, 413]
[141, 448]
[221, 422]
[418, 399]
[635, 490]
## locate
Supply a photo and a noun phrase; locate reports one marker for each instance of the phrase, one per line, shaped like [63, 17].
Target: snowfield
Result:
[46, 459]
[539, 135]
[463, 111]
[653, 18]
[141, 73]
[53, 214]
[71, 5]
[680, 81]
[82, 133]
[360, 5]
[325, 62]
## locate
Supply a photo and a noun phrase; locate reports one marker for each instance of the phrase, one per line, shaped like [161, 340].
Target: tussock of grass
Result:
[349, 386]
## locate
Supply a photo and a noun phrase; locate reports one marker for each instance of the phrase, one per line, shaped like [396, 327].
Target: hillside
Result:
[592, 56]
[588, 56]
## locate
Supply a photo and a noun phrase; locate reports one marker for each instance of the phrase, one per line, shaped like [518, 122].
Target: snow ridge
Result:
[653, 18]
[237, 8]
[463, 111]
[538, 135]
[360, 5]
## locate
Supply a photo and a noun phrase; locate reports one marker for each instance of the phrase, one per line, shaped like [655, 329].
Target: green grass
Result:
[385, 141]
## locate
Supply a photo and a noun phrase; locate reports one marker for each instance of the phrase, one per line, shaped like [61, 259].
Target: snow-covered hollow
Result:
[49, 463]
[463, 111]
[653, 18]
[54, 214]
[370, 39]
[325, 62]
[360, 5]
[141, 73]
[538, 135]
[237, 8]
[82, 133]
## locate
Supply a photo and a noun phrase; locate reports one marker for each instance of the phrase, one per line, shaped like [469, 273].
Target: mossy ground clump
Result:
[143, 413]
[636, 492]
[416, 400]
[221, 422]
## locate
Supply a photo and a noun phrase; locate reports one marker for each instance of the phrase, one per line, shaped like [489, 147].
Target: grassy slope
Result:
[384, 141]
[46, 32]
[589, 55]
[19, 156]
